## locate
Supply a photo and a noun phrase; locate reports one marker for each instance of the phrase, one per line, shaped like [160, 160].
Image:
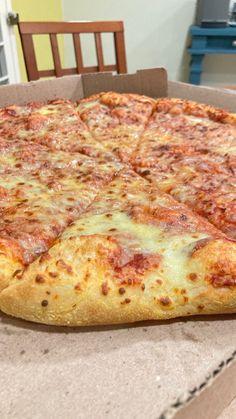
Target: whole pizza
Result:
[117, 208]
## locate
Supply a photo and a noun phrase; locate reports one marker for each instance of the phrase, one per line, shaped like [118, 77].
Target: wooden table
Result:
[209, 41]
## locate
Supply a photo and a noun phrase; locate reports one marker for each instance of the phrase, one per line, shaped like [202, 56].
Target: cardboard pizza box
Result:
[182, 369]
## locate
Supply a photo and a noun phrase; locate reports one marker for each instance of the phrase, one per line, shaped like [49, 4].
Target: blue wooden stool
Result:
[209, 41]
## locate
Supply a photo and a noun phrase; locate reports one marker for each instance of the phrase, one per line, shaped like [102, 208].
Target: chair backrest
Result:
[28, 29]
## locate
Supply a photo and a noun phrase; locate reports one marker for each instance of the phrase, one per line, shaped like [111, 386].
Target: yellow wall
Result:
[37, 10]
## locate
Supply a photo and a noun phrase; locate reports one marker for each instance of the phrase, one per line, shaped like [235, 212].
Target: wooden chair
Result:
[28, 29]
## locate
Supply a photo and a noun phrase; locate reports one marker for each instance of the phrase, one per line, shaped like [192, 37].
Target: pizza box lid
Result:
[179, 368]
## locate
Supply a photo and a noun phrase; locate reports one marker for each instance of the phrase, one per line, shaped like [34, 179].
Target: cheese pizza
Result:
[116, 209]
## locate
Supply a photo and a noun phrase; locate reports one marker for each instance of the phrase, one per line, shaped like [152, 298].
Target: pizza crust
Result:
[74, 284]
[176, 106]
[10, 264]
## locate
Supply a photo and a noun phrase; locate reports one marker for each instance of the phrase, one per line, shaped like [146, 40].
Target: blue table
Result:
[209, 41]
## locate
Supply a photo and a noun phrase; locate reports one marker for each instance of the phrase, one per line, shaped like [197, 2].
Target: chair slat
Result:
[29, 57]
[56, 55]
[120, 52]
[98, 43]
[78, 52]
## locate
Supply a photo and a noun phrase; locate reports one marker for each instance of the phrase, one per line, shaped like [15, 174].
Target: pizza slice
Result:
[18, 122]
[71, 134]
[204, 128]
[55, 125]
[185, 160]
[135, 254]
[209, 194]
[116, 120]
[40, 198]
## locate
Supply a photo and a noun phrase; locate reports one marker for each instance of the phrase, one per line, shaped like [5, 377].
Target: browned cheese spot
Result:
[126, 301]
[159, 281]
[63, 265]
[193, 276]
[145, 173]
[53, 274]
[122, 291]
[143, 287]
[77, 287]
[18, 274]
[39, 279]
[165, 301]
[105, 288]
[131, 281]
[200, 307]
[44, 257]
[44, 303]
[223, 279]
[152, 198]
[87, 276]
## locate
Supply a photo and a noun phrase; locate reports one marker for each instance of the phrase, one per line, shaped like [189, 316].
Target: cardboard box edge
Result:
[151, 82]
[222, 98]
[215, 385]
[68, 87]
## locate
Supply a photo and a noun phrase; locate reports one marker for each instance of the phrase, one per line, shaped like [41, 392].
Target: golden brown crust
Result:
[89, 294]
[11, 265]
[176, 106]
[113, 99]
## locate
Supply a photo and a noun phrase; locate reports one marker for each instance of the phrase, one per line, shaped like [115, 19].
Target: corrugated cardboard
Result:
[149, 82]
[148, 370]
[222, 98]
[221, 392]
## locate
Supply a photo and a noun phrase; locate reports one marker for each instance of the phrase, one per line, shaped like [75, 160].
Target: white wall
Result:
[156, 34]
